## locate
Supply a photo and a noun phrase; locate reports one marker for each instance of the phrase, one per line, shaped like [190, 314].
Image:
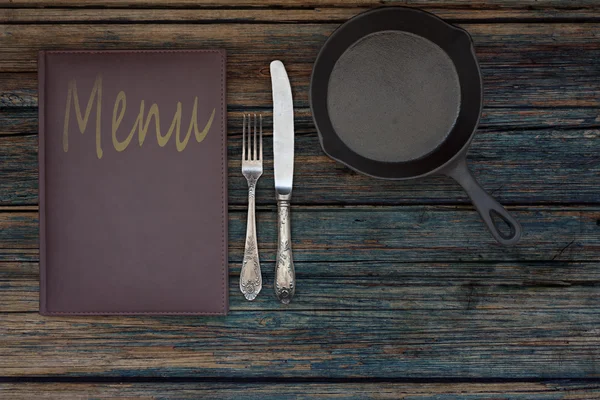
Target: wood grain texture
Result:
[372, 285]
[542, 4]
[251, 46]
[274, 391]
[405, 234]
[397, 280]
[508, 87]
[23, 120]
[519, 167]
[343, 343]
[317, 14]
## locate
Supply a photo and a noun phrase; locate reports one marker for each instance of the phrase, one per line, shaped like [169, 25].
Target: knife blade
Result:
[283, 166]
[283, 129]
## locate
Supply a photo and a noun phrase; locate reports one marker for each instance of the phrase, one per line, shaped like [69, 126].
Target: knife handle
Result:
[285, 276]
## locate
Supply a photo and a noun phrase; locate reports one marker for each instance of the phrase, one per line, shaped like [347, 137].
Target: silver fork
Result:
[252, 169]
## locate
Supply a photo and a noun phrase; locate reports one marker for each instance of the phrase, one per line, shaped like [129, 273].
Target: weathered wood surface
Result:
[567, 47]
[276, 391]
[474, 5]
[397, 280]
[373, 285]
[320, 14]
[518, 166]
[514, 88]
[396, 234]
[337, 343]
[22, 120]
[547, 78]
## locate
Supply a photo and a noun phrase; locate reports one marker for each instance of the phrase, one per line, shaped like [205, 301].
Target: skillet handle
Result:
[486, 205]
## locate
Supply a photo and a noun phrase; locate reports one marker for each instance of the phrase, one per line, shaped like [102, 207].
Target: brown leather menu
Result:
[133, 191]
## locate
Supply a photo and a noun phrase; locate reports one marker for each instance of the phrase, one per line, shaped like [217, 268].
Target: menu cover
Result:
[133, 191]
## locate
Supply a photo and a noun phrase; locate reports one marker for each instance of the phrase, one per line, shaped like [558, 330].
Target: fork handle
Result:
[250, 277]
[285, 276]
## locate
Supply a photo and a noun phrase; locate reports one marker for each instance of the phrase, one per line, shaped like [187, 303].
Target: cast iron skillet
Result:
[396, 93]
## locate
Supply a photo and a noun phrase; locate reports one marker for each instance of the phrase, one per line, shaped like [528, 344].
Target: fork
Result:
[252, 169]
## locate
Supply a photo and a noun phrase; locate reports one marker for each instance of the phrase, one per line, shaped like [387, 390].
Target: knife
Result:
[283, 165]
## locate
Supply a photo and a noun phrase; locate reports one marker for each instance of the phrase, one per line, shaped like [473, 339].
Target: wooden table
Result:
[402, 291]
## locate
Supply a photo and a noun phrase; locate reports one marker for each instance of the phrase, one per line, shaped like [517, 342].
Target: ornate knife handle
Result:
[250, 277]
[285, 276]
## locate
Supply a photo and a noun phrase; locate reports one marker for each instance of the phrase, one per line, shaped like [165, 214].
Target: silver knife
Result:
[283, 165]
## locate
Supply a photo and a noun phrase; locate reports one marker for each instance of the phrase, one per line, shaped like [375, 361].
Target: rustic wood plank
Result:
[408, 233]
[24, 120]
[547, 65]
[321, 14]
[18, 90]
[406, 272]
[251, 46]
[18, 171]
[541, 86]
[375, 285]
[519, 167]
[310, 344]
[474, 312]
[19, 255]
[310, 3]
[307, 390]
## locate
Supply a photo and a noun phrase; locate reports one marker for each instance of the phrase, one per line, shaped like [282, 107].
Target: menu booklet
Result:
[133, 182]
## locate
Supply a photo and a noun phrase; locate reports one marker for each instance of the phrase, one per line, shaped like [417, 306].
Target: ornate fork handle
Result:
[250, 277]
[285, 276]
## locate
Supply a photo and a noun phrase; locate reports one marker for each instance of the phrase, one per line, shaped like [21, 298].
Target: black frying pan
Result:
[396, 93]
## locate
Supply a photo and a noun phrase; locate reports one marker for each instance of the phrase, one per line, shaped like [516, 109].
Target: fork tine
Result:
[244, 139]
[255, 146]
[261, 156]
[248, 138]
